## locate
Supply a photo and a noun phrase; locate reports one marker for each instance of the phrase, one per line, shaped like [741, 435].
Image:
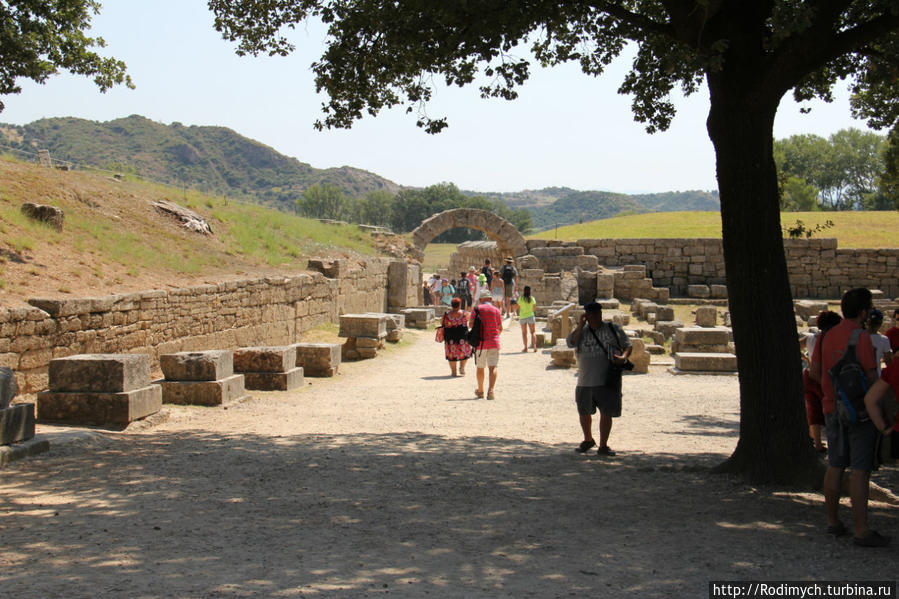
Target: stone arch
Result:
[508, 240]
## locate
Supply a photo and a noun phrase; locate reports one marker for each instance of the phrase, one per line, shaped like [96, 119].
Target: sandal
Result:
[838, 530]
[872, 539]
[605, 450]
[585, 445]
[478, 394]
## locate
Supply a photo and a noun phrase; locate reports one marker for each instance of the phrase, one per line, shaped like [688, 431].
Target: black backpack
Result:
[850, 384]
[463, 287]
[475, 334]
[508, 274]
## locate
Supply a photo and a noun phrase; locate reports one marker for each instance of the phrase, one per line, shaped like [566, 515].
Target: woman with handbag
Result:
[453, 331]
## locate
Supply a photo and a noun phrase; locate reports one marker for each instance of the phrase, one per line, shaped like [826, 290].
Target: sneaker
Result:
[873, 539]
[605, 450]
[585, 445]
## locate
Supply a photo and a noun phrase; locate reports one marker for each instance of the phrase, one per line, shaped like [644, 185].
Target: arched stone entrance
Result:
[509, 241]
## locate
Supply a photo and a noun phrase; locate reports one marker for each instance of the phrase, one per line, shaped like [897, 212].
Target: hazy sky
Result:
[566, 129]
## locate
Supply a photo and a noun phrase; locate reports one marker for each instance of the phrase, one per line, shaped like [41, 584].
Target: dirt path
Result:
[390, 479]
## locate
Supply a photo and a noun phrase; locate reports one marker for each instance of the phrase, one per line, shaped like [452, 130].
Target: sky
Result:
[565, 130]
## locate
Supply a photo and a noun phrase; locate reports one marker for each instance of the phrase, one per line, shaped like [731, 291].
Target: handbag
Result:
[438, 334]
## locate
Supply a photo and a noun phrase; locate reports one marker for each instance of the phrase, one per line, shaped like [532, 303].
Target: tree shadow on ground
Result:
[210, 515]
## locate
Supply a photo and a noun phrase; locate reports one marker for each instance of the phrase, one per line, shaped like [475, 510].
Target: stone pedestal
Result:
[562, 355]
[99, 389]
[363, 325]
[269, 368]
[706, 316]
[318, 359]
[418, 318]
[201, 378]
[16, 423]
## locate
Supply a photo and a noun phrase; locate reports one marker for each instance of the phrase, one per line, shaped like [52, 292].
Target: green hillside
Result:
[211, 159]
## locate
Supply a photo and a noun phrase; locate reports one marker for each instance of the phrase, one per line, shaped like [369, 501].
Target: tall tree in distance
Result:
[749, 53]
[37, 38]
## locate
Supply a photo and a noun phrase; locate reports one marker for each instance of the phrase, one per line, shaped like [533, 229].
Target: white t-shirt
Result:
[881, 346]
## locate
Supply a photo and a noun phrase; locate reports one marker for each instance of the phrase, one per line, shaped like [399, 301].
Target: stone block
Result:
[808, 308]
[664, 313]
[265, 359]
[641, 362]
[32, 447]
[16, 423]
[707, 316]
[698, 291]
[608, 303]
[99, 408]
[418, 318]
[703, 336]
[210, 365]
[318, 359]
[562, 355]
[700, 362]
[540, 339]
[367, 343]
[667, 328]
[718, 291]
[99, 373]
[621, 319]
[274, 381]
[395, 336]
[202, 392]
[363, 325]
[8, 387]
[655, 349]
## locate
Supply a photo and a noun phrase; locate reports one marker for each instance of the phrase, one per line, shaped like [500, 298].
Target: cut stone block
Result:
[203, 393]
[99, 373]
[698, 291]
[363, 325]
[367, 353]
[563, 356]
[664, 313]
[394, 336]
[99, 408]
[367, 343]
[706, 316]
[265, 359]
[668, 328]
[608, 304]
[718, 362]
[393, 321]
[418, 318]
[32, 447]
[17, 423]
[655, 350]
[703, 336]
[540, 339]
[211, 365]
[718, 291]
[641, 362]
[274, 381]
[8, 387]
[621, 319]
[808, 308]
[318, 359]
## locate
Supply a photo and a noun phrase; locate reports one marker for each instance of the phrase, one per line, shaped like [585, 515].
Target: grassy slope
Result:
[851, 229]
[113, 236]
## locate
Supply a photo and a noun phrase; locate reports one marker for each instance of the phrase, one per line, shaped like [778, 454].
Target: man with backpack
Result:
[463, 288]
[510, 280]
[486, 324]
[849, 444]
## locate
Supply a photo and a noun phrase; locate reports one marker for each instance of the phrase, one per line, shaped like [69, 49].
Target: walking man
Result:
[601, 348]
[510, 281]
[848, 445]
[486, 353]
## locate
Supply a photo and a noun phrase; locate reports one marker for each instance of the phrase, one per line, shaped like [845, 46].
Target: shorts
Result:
[605, 399]
[508, 288]
[528, 320]
[486, 357]
[814, 412]
[850, 446]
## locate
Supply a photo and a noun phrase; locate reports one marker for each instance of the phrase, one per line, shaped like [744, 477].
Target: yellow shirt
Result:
[526, 308]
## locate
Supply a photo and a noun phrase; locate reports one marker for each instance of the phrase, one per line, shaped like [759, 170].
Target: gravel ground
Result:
[391, 479]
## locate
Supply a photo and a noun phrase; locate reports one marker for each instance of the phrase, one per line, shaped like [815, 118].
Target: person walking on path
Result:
[446, 292]
[464, 289]
[882, 352]
[601, 348]
[455, 342]
[509, 275]
[527, 319]
[486, 353]
[487, 271]
[848, 445]
[496, 290]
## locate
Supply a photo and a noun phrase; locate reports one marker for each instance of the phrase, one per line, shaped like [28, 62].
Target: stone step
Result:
[204, 393]
[99, 373]
[697, 362]
[274, 381]
[265, 359]
[213, 365]
[99, 408]
[16, 423]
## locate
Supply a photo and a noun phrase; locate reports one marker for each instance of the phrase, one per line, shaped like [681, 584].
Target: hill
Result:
[114, 240]
[212, 159]
[854, 229]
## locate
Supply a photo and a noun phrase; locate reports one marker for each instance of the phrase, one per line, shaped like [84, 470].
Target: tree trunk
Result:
[774, 446]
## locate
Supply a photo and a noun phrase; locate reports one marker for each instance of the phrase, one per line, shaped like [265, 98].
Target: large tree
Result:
[39, 37]
[750, 53]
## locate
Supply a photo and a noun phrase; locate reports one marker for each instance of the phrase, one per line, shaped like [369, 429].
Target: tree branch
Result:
[639, 22]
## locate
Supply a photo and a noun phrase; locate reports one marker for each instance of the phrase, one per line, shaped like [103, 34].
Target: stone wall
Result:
[227, 315]
[473, 253]
[817, 268]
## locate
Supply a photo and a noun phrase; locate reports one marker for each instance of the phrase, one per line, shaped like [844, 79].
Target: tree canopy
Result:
[749, 53]
[39, 38]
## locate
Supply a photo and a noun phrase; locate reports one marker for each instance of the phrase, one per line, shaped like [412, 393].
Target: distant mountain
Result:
[564, 206]
[212, 159]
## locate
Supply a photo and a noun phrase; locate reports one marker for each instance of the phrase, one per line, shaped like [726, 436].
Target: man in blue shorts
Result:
[600, 348]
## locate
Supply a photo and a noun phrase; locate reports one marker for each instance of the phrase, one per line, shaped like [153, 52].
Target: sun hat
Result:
[509, 260]
[485, 295]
